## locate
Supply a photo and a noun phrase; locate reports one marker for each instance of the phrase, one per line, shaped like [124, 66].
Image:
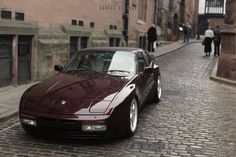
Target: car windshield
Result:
[121, 63]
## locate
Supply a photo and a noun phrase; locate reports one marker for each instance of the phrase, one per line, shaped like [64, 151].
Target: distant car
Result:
[97, 94]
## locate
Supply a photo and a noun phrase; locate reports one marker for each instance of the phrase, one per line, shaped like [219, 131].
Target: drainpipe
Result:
[126, 21]
[155, 12]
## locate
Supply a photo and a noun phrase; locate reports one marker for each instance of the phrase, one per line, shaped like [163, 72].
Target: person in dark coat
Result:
[152, 37]
[186, 31]
[217, 41]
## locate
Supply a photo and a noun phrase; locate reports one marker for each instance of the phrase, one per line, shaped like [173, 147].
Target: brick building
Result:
[35, 35]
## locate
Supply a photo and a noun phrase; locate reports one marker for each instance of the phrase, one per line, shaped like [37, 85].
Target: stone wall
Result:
[53, 27]
[53, 48]
[227, 60]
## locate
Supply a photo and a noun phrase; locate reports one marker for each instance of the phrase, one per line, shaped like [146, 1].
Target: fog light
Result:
[94, 127]
[28, 121]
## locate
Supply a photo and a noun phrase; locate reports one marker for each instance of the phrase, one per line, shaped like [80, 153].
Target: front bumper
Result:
[68, 127]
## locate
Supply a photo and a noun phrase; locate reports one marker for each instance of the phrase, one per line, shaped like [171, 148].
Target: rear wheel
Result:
[132, 118]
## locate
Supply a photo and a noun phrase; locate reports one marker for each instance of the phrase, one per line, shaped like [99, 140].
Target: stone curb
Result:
[179, 47]
[9, 115]
[220, 79]
[167, 52]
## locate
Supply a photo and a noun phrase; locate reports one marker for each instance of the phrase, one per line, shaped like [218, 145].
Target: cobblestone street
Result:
[196, 117]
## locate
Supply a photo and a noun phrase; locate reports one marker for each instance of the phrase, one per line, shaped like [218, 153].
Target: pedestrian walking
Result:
[189, 31]
[186, 30]
[217, 41]
[152, 38]
[208, 37]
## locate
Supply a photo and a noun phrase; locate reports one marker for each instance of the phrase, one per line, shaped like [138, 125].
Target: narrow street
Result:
[195, 118]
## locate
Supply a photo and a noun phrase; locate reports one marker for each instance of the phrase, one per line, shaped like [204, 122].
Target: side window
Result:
[141, 62]
[147, 58]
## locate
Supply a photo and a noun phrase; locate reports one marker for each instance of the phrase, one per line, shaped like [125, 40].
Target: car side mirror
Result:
[148, 70]
[58, 68]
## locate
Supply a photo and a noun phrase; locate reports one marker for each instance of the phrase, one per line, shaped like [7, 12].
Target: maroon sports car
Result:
[98, 93]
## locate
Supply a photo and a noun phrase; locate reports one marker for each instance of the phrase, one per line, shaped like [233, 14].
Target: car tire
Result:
[132, 118]
[28, 130]
[155, 94]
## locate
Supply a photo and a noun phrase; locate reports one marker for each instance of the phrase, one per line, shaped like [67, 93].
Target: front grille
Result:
[69, 129]
[65, 134]
[59, 124]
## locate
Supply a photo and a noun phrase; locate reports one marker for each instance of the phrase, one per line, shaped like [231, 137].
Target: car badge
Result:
[63, 102]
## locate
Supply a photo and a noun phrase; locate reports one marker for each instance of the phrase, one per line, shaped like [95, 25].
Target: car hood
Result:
[73, 94]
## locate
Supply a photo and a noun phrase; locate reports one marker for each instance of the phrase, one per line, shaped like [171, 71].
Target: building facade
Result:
[214, 15]
[171, 13]
[36, 35]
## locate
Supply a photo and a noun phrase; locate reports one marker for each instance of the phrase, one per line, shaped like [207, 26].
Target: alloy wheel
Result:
[159, 90]
[133, 115]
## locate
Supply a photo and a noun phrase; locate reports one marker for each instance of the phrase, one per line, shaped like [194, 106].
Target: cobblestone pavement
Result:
[195, 118]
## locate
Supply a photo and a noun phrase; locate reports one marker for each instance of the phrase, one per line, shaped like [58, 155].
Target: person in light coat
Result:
[208, 37]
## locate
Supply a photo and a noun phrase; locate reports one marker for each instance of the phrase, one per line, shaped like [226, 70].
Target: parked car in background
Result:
[97, 94]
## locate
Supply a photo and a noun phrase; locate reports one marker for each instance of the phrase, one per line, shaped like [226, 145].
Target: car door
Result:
[144, 79]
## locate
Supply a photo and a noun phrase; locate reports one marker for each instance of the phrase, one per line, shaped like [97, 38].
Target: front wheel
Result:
[159, 89]
[132, 118]
[155, 94]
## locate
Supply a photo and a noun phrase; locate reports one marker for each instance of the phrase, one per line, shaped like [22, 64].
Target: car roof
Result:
[130, 49]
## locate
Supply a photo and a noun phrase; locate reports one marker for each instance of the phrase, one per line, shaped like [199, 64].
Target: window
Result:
[117, 42]
[5, 14]
[84, 42]
[20, 16]
[114, 42]
[141, 62]
[74, 22]
[111, 27]
[5, 46]
[147, 58]
[81, 23]
[111, 42]
[142, 10]
[73, 45]
[119, 63]
[92, 24]
[76, 43]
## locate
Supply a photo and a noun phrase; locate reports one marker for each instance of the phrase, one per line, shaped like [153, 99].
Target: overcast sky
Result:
[201, 6]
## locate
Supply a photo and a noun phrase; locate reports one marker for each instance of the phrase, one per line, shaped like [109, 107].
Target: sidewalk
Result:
[10, 96]
[167, 48]
[10, 99]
